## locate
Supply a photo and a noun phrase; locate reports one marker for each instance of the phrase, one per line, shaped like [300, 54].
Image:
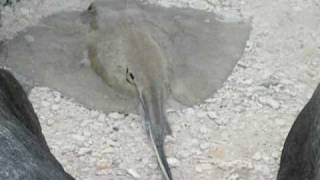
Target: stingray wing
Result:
[202, 49]
[52, 53]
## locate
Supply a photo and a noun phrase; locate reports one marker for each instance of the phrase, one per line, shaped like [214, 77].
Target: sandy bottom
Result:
[237, 134]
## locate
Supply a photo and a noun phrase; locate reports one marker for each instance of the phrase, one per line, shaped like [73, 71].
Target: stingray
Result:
[120, 55]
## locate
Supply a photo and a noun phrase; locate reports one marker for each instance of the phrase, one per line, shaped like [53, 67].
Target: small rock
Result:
[133, 173]
[107, 150]
[249, 45]
[50, 122]
[275, 155]
[217, 152]
[173, 162]
[83, 151]
[206, 166]
[203, 167]
[188, 111]
[153, 166]
[280, 122]
[210, 100]
[113, 144]
[195, 142]
[85, 62]
[45, 103]
[235, 177]
[203, 130]
[170, 110]
[297, 8]
[85, 123]
[94, 113]
[55, 107]
[212, 115]
[247, 81]
[204, 146]
[116, 115]
[101, 117]
[170, 139]
[90, 142]
[198, 169]
[269, 101]
[267, 159]
[184, 154]
[57, 99]
[221, 121]
[87, 134]
[257, 156]
[263, 169]
[78, 137]
[29, 38]
[201, 114]
[196, 151]
[103, 164]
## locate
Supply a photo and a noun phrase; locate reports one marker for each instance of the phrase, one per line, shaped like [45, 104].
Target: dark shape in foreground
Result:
[300, 159]
[140, 54]
[24, 154]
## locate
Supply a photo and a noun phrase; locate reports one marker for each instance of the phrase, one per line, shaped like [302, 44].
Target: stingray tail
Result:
[157, 128]
[158, 146]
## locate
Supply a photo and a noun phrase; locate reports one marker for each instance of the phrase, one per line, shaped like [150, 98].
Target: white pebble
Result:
[85, 123]
[170, 139]
[29, 38]
[204, 146]
[269, 101]
[198, 169]
[113, 144]
[101, 117]
[134, 173]
[103, 164]
[203, 130]
[222, 121]
[188, 111]
[263, 169]
[55, 107]
[85, 62]
[212, 115]
[201, 114]
[203, 167]
[234, 177]
[275, 155]
[50, 122]
[107, 150]
[280, 122]
[173, 162]
[116, 115]
[78, 137]
[184, 154]
[257, 156]
[57, 99]
[83, 151]
[45, 103]
[94, 113]
[86, 133]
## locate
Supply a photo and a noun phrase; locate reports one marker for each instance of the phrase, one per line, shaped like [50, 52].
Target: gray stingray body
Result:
[138, 54]
[145, 74]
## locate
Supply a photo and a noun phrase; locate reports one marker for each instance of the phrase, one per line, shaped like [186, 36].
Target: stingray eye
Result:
[91, 7]
[129, 77]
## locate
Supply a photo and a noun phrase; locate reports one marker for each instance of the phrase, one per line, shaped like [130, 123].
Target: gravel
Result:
[237, 134]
